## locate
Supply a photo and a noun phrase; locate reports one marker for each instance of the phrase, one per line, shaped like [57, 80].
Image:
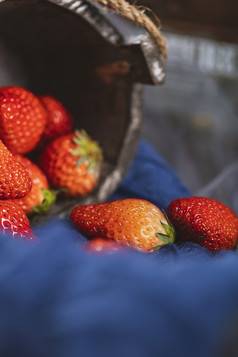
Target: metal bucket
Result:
[70, 49]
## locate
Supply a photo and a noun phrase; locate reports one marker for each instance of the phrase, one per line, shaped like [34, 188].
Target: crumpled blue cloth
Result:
[151, 178]
[58, 300]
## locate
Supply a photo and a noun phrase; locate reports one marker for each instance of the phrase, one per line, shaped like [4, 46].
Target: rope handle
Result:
[137, 14]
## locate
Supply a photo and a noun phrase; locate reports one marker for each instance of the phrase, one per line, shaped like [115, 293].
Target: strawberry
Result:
[40, 197]
[101, 245]
[59, 121]
[204, 221]
[72, 162]
[13, 221]
[14, 179]
[22, 119]
[132, 222]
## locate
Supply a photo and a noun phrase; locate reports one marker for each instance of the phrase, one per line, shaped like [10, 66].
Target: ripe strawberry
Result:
[40, 197]
[72, 162]
[204, 221]
[13, 221]
[59, 121]
[22, 119]
[101, 245]
[14, 179]
[133, 222]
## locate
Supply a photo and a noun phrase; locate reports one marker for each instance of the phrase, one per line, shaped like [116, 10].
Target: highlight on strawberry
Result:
[135, 223]
[72, 162]
[205, 221]
[14, 222]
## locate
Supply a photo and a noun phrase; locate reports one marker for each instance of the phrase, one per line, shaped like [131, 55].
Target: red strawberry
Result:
[14, 179]
[13, 221]
[133, 222]
[72, 162]
[59, 121]
[100, 245]
[22, 119]
[40, 197]
[204, 221]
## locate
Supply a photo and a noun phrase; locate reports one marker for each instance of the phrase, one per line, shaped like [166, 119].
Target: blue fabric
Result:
[152, 178]
[57, 300]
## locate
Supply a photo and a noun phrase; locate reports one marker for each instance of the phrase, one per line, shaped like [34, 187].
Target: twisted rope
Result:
[137, 14]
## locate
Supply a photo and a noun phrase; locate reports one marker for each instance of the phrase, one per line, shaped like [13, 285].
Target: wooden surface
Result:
[215, 18]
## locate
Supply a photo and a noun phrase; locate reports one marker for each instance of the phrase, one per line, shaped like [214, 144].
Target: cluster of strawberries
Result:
[70, 162]
[40, 155]
[141, 225]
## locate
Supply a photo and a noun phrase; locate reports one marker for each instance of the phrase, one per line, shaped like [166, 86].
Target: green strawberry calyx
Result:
[167, 237]
[87, 150]
[49, 198]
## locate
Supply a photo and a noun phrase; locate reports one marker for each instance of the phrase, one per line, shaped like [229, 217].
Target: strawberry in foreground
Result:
[204, 221]
[22, 119]
[101, 245]
[14, 222]
[72, 162]
[136, 223]
[40, 198]
[14, 179]
[59, 121]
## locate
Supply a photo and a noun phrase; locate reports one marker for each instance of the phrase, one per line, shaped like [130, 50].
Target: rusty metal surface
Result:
[70, 50]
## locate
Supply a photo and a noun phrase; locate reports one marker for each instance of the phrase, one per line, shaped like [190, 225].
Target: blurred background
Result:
[192, 119]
